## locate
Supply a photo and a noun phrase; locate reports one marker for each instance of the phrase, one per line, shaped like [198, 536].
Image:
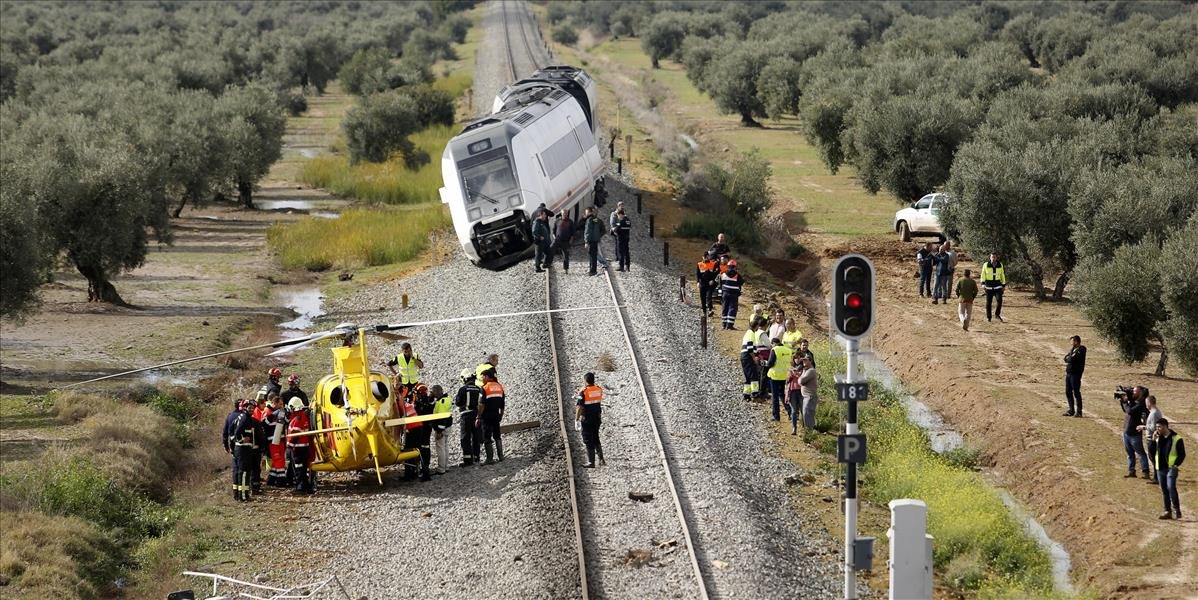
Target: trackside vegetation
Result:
[117, 115]
[1064, 132]
[361, 237]
[979, 547]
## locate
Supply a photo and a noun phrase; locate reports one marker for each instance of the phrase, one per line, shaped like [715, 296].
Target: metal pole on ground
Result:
[850, 484]
[650, 225]
[665, 253]
[638, 203]
[703, 331]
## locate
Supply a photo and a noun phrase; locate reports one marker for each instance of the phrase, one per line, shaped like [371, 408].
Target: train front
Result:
[482, 189]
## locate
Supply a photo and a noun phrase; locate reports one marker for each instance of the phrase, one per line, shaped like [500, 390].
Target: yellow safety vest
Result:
[748, 342]
[1172, 452]
[792, 338]
[990, 274]
[409, 373]
[781, 369]
[442, 405]
[480, 369]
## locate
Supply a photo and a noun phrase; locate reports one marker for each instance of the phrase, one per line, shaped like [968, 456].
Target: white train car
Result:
[540, 148]
[573, 80]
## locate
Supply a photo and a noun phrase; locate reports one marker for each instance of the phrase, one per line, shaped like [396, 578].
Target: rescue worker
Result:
[293, 391]
[271, 385]
[589, 413]
[623, 232]
[762, 349]
[706, 273]
[994, 281]
[490, 413]
[563, 235]
[409, 364]
[731, 284]
[748, 360]
[592, 233]
[238, 439]
[491, 363]
[441, 405]
[467, 402]
[275, 423]
[542, 237]
[418, 435]
[259, 447]
[778, 368]
[299, 448]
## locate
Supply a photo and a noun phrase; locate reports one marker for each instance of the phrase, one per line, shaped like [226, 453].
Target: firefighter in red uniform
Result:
[418, 434]
[490, 413]
[299, 449]
[589, 412]
[275, 422]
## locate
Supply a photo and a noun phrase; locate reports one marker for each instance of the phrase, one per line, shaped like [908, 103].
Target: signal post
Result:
[852, 316]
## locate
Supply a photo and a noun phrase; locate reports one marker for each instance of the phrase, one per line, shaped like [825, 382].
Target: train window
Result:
[479, 146]
[489, 181]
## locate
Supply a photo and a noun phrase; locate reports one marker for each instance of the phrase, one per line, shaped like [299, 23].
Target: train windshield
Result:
[491, 182]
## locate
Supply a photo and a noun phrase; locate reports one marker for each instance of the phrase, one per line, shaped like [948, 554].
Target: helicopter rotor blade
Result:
[279, 344]
[379, 329]
[312, 339]
[392, 337]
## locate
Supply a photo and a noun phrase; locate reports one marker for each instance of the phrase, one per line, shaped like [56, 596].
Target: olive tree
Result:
[380, 125]
[732, 82]
[662, 37]
[254, 121]
[23, 255]
[778, 86]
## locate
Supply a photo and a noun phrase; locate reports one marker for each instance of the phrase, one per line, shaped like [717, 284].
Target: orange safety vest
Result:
[492, 389]
[707, 266]
[592, 394]
[409, 410]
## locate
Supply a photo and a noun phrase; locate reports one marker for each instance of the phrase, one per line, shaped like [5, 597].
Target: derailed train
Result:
[539, 146]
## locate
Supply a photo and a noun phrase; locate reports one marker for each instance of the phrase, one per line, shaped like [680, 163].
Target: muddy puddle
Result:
[325, 209]
[944, 438]
[306, 302]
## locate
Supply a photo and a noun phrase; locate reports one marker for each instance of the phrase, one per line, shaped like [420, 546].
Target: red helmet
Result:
[731, 263]
[293, 379]
[275, 373]
[421, 389]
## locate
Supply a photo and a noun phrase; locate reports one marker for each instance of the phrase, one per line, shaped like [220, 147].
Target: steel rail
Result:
[507, 42]
[532, 57]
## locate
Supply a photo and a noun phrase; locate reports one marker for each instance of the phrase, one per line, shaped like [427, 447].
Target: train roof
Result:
[526, 106]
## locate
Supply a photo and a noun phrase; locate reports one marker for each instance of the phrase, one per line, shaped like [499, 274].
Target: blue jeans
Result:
[1168, 481]
[942, 282]
[777, 393]
[925, 281]
[1134, 446]
[1073, 392]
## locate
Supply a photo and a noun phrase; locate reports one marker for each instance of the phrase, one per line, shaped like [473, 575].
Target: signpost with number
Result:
[852, 315]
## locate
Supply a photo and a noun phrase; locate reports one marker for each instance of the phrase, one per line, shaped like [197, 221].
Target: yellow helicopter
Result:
[357, 422]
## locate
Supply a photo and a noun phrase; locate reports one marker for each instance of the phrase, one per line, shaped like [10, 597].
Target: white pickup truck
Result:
[921, 218]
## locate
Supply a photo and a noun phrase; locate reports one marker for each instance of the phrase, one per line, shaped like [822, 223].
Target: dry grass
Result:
[606, 362]
[44, 556]
[360, 238]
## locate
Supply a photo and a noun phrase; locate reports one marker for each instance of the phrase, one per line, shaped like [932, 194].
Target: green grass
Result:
[361, 237]
[389, 182]
[977, 540]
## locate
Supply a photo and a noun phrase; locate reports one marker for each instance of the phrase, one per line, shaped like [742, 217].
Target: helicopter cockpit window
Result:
[379, 390]
[337, 396]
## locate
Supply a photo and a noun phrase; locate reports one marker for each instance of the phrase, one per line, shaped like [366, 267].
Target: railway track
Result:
[593, 567]
[505, 8]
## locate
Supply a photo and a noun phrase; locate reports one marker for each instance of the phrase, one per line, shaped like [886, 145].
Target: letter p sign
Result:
[851, 448]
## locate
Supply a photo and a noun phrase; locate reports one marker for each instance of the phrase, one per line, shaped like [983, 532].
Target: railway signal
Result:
[853, 296]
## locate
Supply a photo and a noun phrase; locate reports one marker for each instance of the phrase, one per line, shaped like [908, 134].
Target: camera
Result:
[1122, 393]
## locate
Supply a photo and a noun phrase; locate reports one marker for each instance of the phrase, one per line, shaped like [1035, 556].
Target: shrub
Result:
[296, 102]
[743, 236]
[745, 185]
[360, 237]
[435, 105]
[380, 125]
[389, 182]
[565, 35]
[43, 556]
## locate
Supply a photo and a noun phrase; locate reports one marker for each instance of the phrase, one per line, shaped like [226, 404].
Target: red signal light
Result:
[852, 300]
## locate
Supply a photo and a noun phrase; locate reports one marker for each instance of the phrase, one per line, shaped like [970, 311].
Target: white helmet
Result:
[295, 404]
[467, 375]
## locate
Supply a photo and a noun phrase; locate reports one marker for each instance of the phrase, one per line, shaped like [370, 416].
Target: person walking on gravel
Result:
[490, 410]
[720, 248]
[589, 414]
[994, 281]
[441, 405]
[967, 291]
[706, 273]
[622, 229]
[923, 258]
[564, 235]
[1075, 364]
[592, 233]
[731, 286]
[748, 360]
[1170, 453]
[542, 238]
[467, 400]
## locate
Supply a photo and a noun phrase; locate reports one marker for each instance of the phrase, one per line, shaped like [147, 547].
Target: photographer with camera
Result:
[1134, 413]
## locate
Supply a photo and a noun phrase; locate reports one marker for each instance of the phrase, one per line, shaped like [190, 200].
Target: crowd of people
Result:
[777, 363]
[936, 269]
[1143, 422]
[554, 239]
[258, 428]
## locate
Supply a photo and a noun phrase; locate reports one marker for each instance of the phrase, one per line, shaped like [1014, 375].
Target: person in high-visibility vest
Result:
[1170, 453]
[778, 367]
[409, 364]
[589, 414]
[492, 363]
[994, 281]
[763, 355]
[418, 435]
[467, 400]
[299, 449]
[442, 404]
[791, 336]
[490, 413]
[706, 273]
[731, 284]
[748, 360]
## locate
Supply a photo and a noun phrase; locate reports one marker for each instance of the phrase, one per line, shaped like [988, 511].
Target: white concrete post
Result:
[910, 551]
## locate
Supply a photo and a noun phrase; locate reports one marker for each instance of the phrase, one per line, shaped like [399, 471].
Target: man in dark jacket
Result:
[467, 402]
[1170, 453]
[1075, 364]
[542, 238]
[706, 273]
[924, 259]
[623, 233]
[720, 247]
[238, 437]
[592, 234]
[564, 235]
